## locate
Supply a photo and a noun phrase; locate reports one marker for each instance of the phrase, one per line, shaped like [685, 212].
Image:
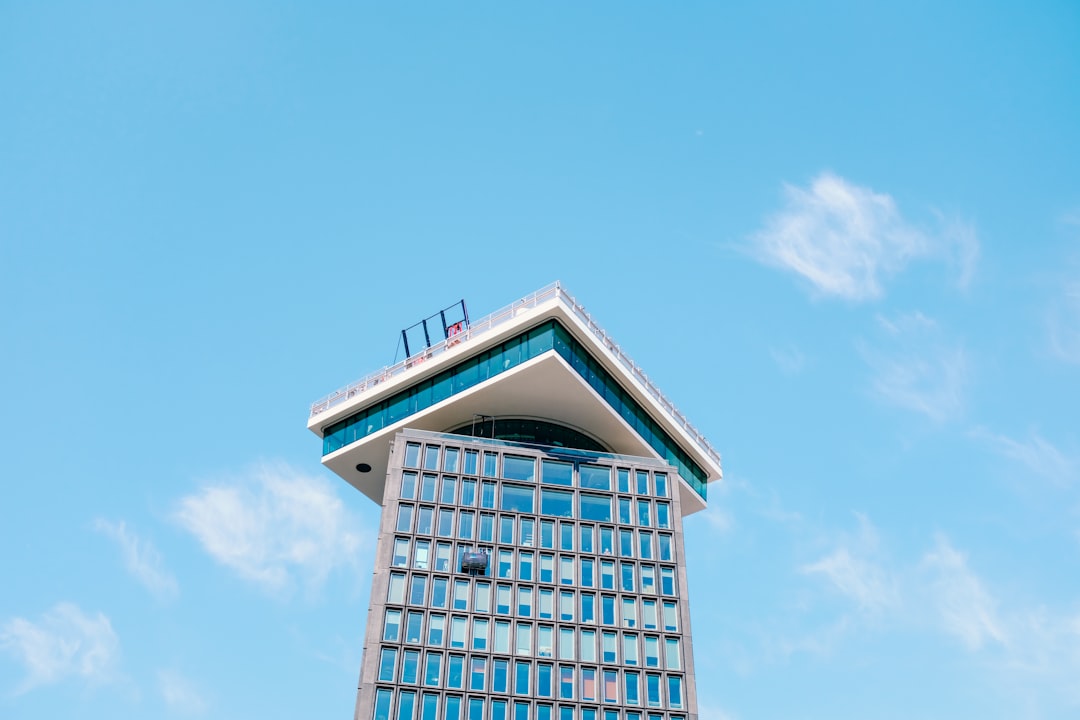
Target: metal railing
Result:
[494, 320]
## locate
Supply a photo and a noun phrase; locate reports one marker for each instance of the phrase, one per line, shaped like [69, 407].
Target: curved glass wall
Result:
[549, 336]
[538, 432]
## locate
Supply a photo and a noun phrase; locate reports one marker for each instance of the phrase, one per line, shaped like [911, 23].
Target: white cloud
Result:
[963, 605]
[141, 558]
[917, 369]
[179, 693]
[718, 518]
[852, 571]
[847, 239]
[274, 526]
[790, 360]
[66, 642]
[1036, 453]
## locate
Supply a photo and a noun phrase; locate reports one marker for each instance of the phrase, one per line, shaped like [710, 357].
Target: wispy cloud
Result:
[790, 360]
[274, 526]
[65, 642]
[141, 558]
[179, 693]
[846, 240]
[1036, 453]
[852, 570]
[916, 368]
[965, 608]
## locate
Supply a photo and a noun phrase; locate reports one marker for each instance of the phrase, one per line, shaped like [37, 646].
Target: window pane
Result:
[559, 503]
[516, 467]
[518, 498]
[556, 473]
[595, 477]
[595, 507]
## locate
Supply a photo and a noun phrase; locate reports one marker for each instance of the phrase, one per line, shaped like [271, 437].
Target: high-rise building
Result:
[533, 485]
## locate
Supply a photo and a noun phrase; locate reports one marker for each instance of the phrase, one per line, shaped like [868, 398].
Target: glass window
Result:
[633, 689]
[671, 623]
[630, 649]
[652, 651]
[645, 545]
[478, 674]
[649, 614]
[624, 480]
[625, 511]
[505, 567]
[566, 684]
[499, 672]
[455, 672]
[418, 590]
[468, 493]
[588, 607]
[543, 712]
[502, 599]
[675, 691]
[588, 645]
[424, 520]
[401, 553]
[595, 477]
[595, 507]
[522, 710]
[487, 528]
[431, 457]
[482, 597]
[652, 686]
[453, 708]
[642, 482]
[438, 592]
[502, 636]
[545, 640]
[588, 578]
[429, 707]
[607, 610]
[566, 643]
[476, 709]
[588, 685]
[412, 455]
[566, 536]
[427, 487]
[627, 574]
[525, 565]
[610, 641]
[450, 459]
[547, 611]
[517, 467]
[566, 569]
[522, 670]
[498, 710]
[607, 541]
[404, 518]
[626, 543]
[663, 518]
[410, 667]
[423, 554]
[506, 530]
[446, 523]
[436, 628]
[432, 669]
[667, 581]
[566, 605]
[461, 594]
[528, 531]
[470, 462]
[392, 626]
[387, 664]
[544, 687]
[414, 621]
[648, 579]
[559, 503]
[664, 541]
[566, 712]
[629, 612]
[449, 491]
[547, 534]
[644, 513]
[487, 495]
[491, 460]
[523, 639]
[382, 704]
[587, 539]
[611, 686]
[465, 524]
[518, 498]
[442, 556]
[547, 568]
[525, 601]
[661, 484]
[408, 485]
[553, 472]
[607, 575]
[396, 592]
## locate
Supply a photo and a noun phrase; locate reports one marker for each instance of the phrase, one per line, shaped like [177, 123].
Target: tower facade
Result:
[530, 558]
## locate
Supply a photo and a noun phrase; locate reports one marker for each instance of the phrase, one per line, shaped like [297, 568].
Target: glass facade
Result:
[579, 613]
[548, 337]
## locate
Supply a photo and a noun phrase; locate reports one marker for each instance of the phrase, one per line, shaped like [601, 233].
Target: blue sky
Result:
[844, 239]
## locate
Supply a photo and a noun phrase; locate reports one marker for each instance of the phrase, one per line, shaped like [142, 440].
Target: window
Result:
[506, 530]
[476, 709]
[482, 598]
[487, 495]
[427, 487]
[626, 543]
[648, 579]
[588, 566]
[595, 507]
[547, 568]
[455, 671]
[436, 629]
[587, 539]
[556, 473]
[671, 623]
[410, 667]
[649, 614]
[396, 591]
[404, 518]
[429, 709]
[544, 686]
[642, 477]
[645, 545]
[478, 674]
[559, 503]
[382, 704]
[644, 513]
[566, 605]
[671, 654]
[547, 611]
[607, 575]
[424, 519]
[566, 570]
[627, 573]
[633, 689]
[453, 708]
[665, 547]
[414, 621]
[502, 636]
[525, 565]
[438, 592]
[498, 710]
[387, 663]
[595, 477]
[461, 594]
[487, 528]
[588, 607]
[545, 640]
[465, 524]
[392, 626]
[652, 651]
[607, 610]
[522, 670]
[588, 684]
[450, 460]
[518, 498]
[480, 634]
[663, 519]
[566, 682]
[607, 544]
[675, 691]
[610, 640]
[418, 589]
[449, 491]
[525, 601]
[528, 531]
[661, 484]
[523, 639]
[442, 556]
[517, 467]
[652, 686]
[490, 464]
[412, 455]
[566, 536]
[401, 553]
[468, 493]
[445, 527]
[470, 462]
[408, 486]
[629, 612]
[521, 710]
[611, 686]
[431, 457]
[624, 480]
[667, 581]
[630, 649]
[502, 599]
[625, 515]
[499, 672]
[547, 534]
[566, 643]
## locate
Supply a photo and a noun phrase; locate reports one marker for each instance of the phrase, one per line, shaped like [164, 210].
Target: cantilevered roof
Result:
[571, 373]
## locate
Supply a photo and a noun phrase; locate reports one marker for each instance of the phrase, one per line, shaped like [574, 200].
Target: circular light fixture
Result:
[364, 468]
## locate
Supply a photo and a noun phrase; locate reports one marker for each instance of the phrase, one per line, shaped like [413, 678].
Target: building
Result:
[530, 556]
